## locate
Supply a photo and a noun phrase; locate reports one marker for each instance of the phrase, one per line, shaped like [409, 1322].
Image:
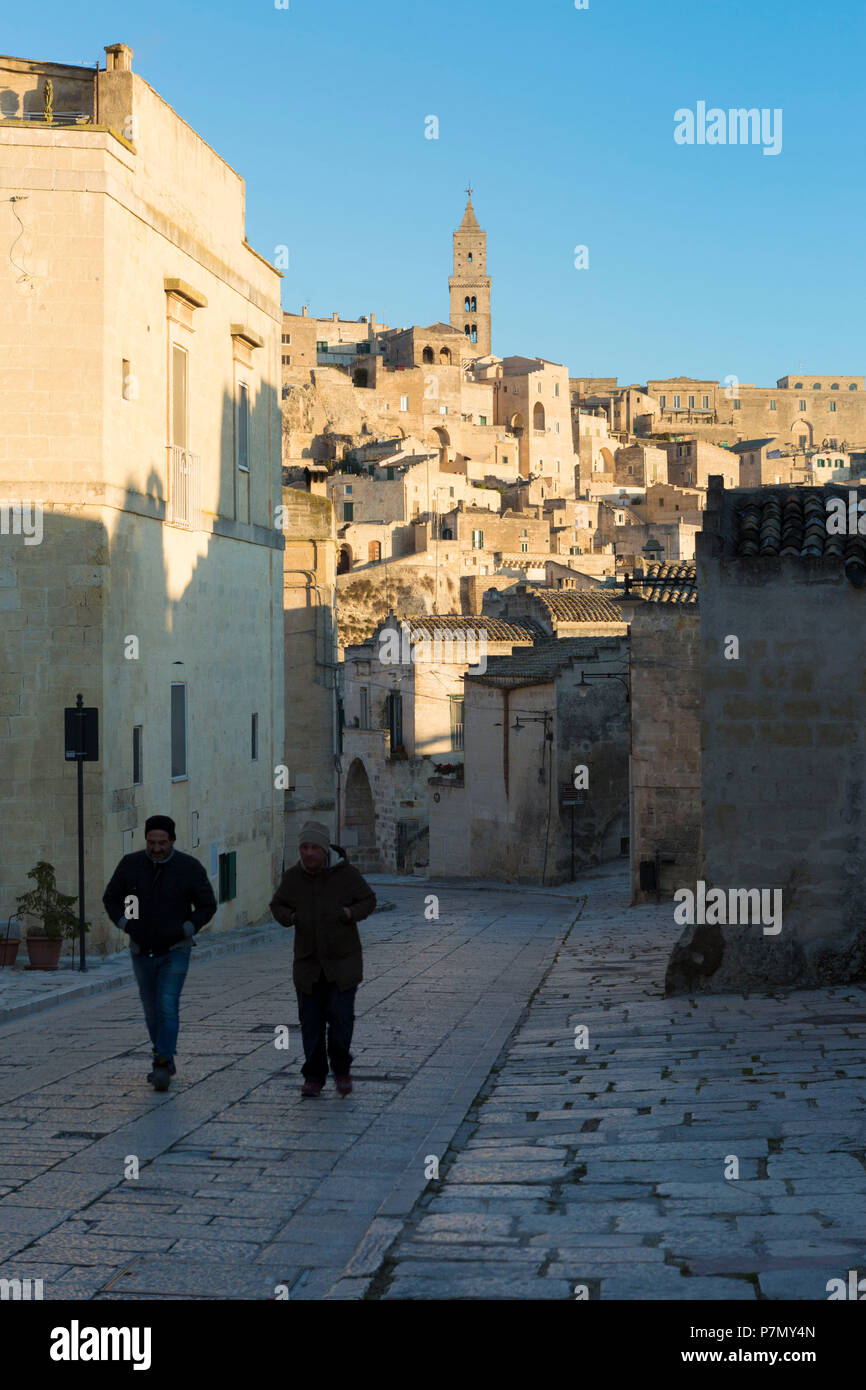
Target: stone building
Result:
[530, 720]
[403, 701]
[532, 403]
[665, 765]
[783, 750]
[140, 385]
[691, 461]
[805, 410]
[572, 613]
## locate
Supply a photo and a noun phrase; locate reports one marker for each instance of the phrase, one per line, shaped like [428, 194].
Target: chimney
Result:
[335, 317]
[118, 57]
[304, 308]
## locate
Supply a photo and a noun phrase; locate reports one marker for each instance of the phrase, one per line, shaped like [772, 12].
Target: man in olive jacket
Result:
[323, 897]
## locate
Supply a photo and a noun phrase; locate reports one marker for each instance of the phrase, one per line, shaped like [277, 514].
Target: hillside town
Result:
[552, 682]
[222, 481]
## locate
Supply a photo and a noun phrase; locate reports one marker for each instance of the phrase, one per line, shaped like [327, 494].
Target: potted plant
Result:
[10, 940]
[55, 920]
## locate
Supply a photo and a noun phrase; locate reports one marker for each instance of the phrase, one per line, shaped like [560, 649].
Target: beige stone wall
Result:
[665, 770]
[310, 627]
[86, 339]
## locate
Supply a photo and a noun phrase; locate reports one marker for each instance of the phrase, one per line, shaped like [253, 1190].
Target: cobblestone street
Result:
[565, 1171]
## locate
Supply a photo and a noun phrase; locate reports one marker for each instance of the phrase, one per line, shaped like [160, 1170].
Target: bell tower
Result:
[469, 286]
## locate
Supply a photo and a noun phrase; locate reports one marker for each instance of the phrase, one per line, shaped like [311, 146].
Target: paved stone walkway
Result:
[243, 1188]
[602, 1172]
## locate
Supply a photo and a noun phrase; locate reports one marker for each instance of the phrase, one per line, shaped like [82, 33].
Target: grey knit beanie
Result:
[315, 833]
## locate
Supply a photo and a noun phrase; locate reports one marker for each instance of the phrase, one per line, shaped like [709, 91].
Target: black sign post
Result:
[81, 730]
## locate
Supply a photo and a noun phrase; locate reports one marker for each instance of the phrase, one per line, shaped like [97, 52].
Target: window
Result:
[243, 426]
[404, 402]
[365, 707]
[802, 405]
[816, 386]
[443, 410]
[679, 451]
[504, 458]
[474, 334]
[803, 440]
[676, 402]
[394, 710]
[348, 511]
[620, 519]
[456, 703]
[482, 419]
[287, 361]
[691, 402]
[772, 405]
[473, 306]
[228, 876]
[575, 550]
[556, 427]
[524, 547]
[853, 386]
[469, 257]
[389, 475]
[178, 731]
[348, 489]
[466, 305]
[556, 388]
[799, 386]
[179, 395]
[705, 402]
[450, 492]
[736, 403]
[137, 732]
[254, 737]
[832, 405]
[538, 386]
[477, 540]
[524, 532]
[835, 386]
[663, 400]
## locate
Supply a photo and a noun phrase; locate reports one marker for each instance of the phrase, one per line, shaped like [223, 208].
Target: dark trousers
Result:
[327, 1021]
[160, 981]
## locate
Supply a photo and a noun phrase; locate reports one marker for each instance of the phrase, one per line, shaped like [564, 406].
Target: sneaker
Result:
[343, 1084]
[160, 1077]
[312, 1088]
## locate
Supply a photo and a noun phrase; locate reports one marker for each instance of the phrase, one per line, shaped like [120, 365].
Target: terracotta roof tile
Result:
[578, 605]
[792, 522]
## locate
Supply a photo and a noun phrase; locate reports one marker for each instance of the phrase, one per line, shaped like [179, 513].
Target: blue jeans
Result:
[160, 981]
[332, 1009]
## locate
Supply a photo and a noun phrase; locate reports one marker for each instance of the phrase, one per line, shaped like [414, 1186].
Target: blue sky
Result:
[703, 260]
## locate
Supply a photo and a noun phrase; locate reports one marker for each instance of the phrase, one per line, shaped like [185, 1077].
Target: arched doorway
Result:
[360, 814]
[442, 439]
[801, 433]
[538, 416]
[445, 356]
[344, 560]
[360, 377]
[427, 355]
[374, 552]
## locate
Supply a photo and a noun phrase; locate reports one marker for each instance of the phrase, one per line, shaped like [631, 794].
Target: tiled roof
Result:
[578, 605]
[494, 629]
[441, 327]
[664, 583]
[793, 522]
[535, 665]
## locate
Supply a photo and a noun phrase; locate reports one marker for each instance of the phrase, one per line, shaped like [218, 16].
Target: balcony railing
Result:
[184, 488]
[57, 118]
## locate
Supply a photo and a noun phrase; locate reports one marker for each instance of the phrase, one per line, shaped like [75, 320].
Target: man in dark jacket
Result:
[323, 897]
[160, 898]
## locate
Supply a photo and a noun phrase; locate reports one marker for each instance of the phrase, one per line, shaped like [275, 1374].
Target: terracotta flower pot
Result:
[44, 952]
[8, 950]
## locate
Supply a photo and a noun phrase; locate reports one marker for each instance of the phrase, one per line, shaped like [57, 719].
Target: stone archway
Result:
[442, 439]
[344, 559]
[359, 818]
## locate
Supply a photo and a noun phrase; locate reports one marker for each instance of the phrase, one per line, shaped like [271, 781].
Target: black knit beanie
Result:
[160, 823]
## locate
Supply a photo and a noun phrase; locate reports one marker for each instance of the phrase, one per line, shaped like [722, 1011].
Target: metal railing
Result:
[57, 118]
[184, 488]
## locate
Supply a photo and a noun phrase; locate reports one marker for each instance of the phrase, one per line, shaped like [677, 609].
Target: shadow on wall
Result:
[122, 618]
